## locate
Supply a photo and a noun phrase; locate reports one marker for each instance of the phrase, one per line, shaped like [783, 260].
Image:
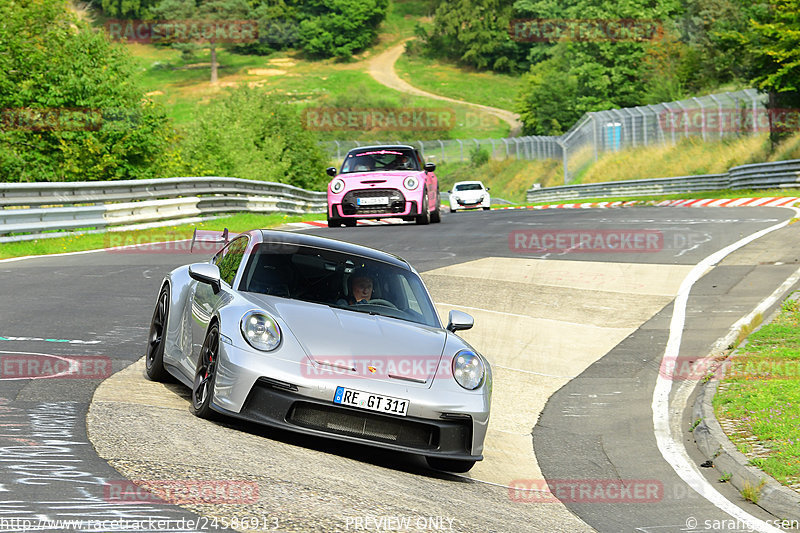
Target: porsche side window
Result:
[231, 259]
[411, 298]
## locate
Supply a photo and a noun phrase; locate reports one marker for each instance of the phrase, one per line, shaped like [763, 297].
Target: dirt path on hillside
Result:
[381, 67]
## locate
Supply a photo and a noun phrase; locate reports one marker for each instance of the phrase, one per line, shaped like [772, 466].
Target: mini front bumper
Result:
[409, 208]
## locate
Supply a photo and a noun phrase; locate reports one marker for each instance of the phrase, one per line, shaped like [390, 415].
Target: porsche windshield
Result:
[380, 159]
[338, 280]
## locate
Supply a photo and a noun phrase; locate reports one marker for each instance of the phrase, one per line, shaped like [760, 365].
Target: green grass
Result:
[77, 243]
[487, 88]
[688, 157]
[182, 87]
[508, 179]
[761, 396]
[401, 19]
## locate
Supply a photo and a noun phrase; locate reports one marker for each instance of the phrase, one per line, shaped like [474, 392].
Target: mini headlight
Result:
[410, 183]
[260, 331]
[468, 369]
[337, 186]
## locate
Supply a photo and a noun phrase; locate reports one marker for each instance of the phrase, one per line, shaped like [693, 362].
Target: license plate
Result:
[378, 200]
[371, 402]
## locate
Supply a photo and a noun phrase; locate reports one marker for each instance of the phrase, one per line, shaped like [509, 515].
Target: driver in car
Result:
[360, 289]
[402, 162]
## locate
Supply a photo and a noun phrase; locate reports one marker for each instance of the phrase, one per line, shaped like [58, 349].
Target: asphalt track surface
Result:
[598, 426]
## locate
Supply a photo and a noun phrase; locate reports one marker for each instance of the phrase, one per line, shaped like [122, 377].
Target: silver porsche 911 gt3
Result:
[325, 338]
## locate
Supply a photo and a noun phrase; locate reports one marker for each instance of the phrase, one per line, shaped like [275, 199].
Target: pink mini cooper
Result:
[383, 182]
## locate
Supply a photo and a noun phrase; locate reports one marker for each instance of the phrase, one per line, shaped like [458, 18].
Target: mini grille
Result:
[397, 202]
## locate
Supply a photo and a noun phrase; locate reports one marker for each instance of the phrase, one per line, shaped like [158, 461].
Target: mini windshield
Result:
[339, 280]
[370, 160]
[469, 187]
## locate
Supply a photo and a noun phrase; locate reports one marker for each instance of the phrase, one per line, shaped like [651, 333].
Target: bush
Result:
[478, 157]
[252, 135]
[73, 110]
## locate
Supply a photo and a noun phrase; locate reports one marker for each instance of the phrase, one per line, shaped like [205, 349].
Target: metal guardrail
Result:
[43, 210]
[778, 175]
[782, 174]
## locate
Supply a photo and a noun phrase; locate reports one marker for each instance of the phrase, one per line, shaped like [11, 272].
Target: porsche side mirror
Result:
[331, 171]
[458, 320]
[430, 167]
[206, 273]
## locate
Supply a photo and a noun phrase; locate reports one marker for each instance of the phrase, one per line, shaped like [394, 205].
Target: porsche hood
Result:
[361, 345]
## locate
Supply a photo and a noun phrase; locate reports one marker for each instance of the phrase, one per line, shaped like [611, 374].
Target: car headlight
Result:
[410, 183]
[260, 331]
[337, 186]
[468, 369]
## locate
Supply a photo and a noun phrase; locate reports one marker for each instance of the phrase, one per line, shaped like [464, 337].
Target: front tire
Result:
[206, 375]
[334, 222]
[154, 358]
[436, 216]
[425, 217]
[486, 208]
[458, 466]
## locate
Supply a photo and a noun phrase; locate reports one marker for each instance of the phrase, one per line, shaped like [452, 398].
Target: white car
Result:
[469, 195]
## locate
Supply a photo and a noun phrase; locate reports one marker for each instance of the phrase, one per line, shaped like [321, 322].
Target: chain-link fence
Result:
[533, 147]
[710, 117]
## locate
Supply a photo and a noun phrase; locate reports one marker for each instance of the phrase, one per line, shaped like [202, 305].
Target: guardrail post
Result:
[461, 147]
[441, 144]
[594, 135]
[505, 141]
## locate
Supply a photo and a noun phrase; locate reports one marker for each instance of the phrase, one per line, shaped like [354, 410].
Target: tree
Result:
[71, 107]
[474, 33]
[543, 110]
[130, 9]
[599, 70]
[771, 44]
[340, 28]
[203, 11]
[278, 27]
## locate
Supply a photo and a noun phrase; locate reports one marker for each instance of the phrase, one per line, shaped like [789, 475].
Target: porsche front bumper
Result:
[289, 395]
